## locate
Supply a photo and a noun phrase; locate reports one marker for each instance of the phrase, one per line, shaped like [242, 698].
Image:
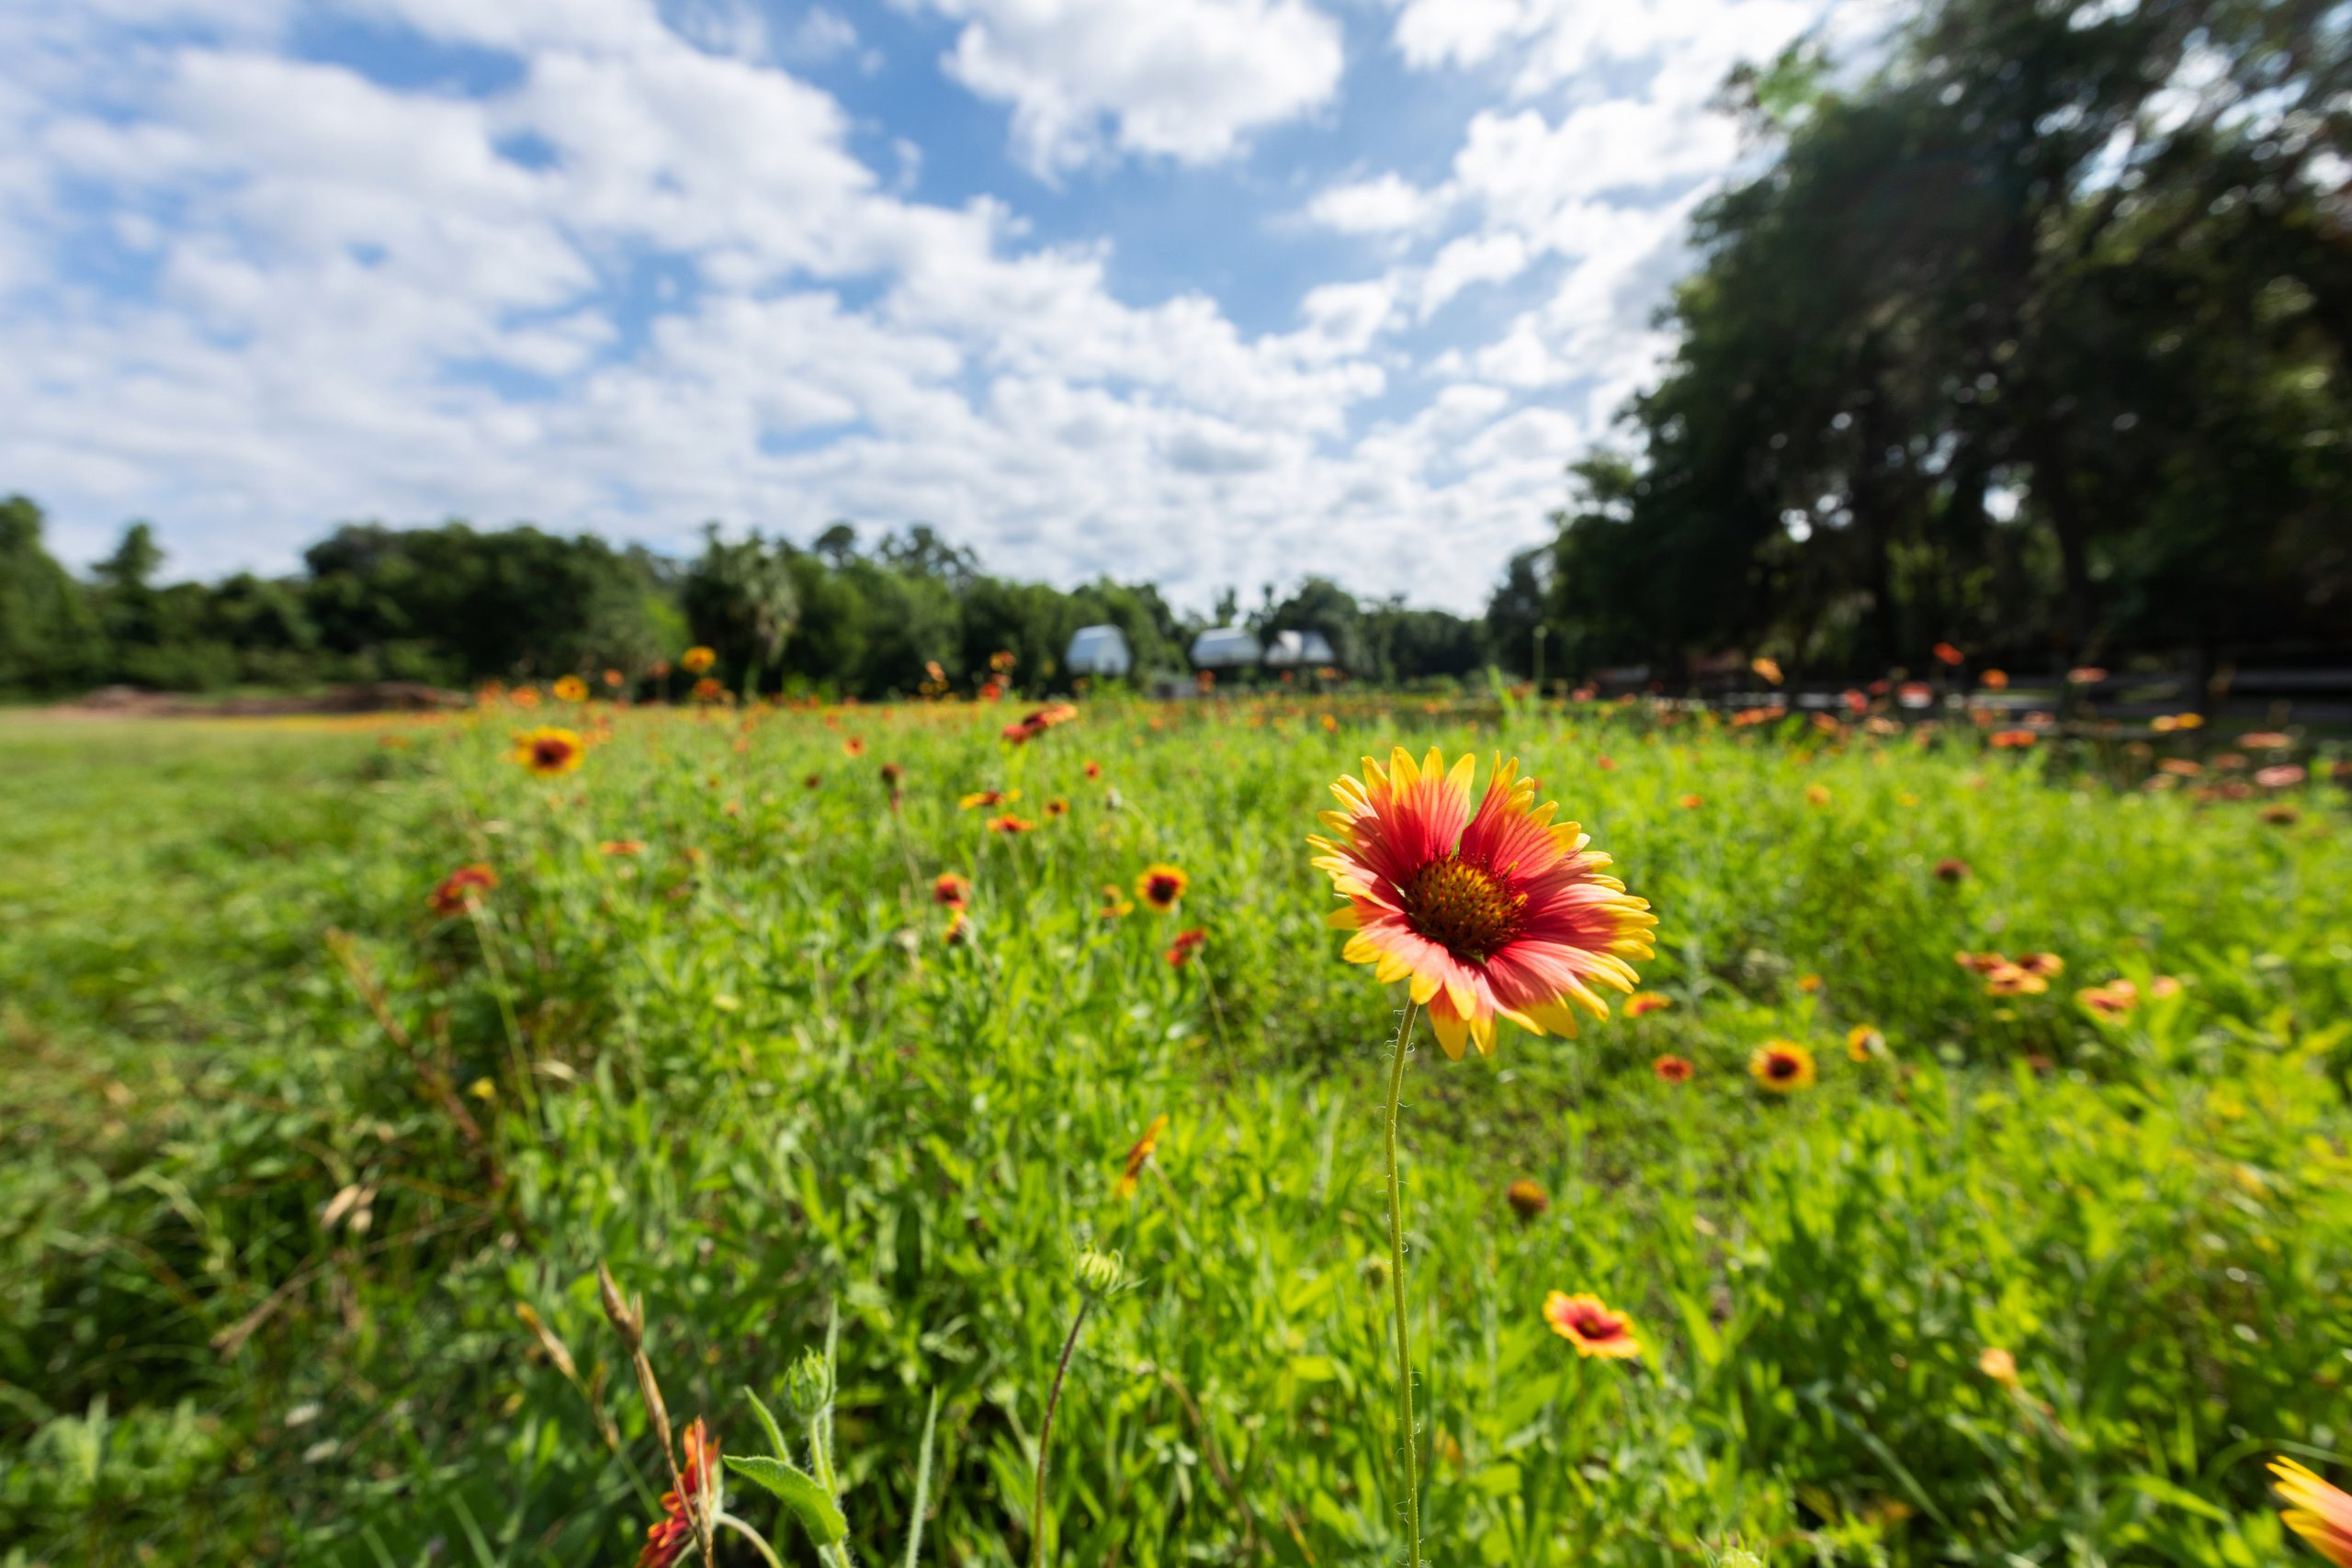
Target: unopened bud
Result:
[808, 1386]
[1098, 1274]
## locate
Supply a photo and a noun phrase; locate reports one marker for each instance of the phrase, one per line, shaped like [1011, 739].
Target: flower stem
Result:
[1046, 1437]
[754, 1536]
[1396, 1285]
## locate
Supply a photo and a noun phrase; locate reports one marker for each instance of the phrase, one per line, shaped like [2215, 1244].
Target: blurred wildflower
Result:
[2085, 675]
[1863, 1042]
[1781, 1066]
[1809, 984]
[855, 746]
[697, 660]
[1947, 654]
[1160, 886]
[1998, 1365]
[1952, 869]
[1093, 769]
[2316, 1511]
[958, 928]
[1057, 807]
[2012, 980]
[951, 890]
[523, 696]
[2012, 739]
[696, 1496]
[621, 847]
[459, 890]
[1673, 1069]
[1496, 912]
[1589, 1324]
[1641, 1002]
[2265, 740]
[1995, 679]
[2117, 998]
[1690, 803]
[1140, 1155]
[1009, 824]
[548, 751]
[1527, 1199]
[1179, 952]
[1817, 795]
[615, 680]
[570, 689]
[708, 690]
[1114, 903]
[979, 798]
[2284, 776]
[1768, 669]
[1031, 726]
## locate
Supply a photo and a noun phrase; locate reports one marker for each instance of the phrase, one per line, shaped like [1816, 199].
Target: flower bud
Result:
[1099, 1275]
[808, 1386]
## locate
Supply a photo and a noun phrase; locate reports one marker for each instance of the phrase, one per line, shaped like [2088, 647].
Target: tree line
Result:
[2033, 339]
[454, 604]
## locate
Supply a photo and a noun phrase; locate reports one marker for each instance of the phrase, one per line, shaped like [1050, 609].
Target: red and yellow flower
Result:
[1496, 912]
[1781, 1066]
[951, 890]
[462, 888]
[1140, 1155]
[548, 749]
[1160, 886]
[1527, 1199]
[2316, 1511]
[1641, 1002]
[1593, 1326]
[1010, 824]
[696, 1495]
[1672, 1068]
[570, 689]
[1181, 951]
[697, 660]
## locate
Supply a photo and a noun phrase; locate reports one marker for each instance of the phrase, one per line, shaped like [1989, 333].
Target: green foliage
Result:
[49, 638]
[2019, 342]
[268, 1201]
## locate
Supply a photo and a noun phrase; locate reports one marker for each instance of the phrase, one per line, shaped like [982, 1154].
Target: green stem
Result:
[1396, 1285]
[754, 1536]
[1046, 1437]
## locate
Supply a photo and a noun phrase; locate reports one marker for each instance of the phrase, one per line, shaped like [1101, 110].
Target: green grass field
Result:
[283, 1151]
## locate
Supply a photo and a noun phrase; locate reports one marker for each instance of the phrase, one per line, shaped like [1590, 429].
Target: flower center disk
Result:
[1463, 908]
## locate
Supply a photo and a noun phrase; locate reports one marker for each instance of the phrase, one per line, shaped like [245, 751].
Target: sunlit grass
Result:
[739, 1062]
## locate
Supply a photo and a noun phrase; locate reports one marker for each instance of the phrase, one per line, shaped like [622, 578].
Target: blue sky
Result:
[1205, 291]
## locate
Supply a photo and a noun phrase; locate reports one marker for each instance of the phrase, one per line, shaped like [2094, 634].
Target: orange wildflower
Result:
[460, 890]
[1492, 913]
[1527, 1199]
[1140, 1155]
[951, 890]
[1114, 903]
[2316, 1511]
[1057, 807]
[981, 798]
[1589, 1324]
[1863, 1041]
[1181, 951]
[1009, 823]
[1995, 679]
[1947, 654]
[621, 847]
[708, 690]
[570, 689]
[1998, 1365]
[1690, 803]
[1160, 886]
[1783, 1067]
[1673, 1069]
[1641, 1002]
[697, 660]
[696, 1496]
[548, 751]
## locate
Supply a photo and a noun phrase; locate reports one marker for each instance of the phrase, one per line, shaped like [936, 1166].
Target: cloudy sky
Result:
[1206, 291]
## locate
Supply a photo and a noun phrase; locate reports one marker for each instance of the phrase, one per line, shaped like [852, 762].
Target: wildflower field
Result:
[1965, 1180]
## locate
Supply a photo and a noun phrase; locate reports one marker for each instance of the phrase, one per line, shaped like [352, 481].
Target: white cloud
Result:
[1184, 79]
[1386, 204]
[358, 305]
[1474, 258]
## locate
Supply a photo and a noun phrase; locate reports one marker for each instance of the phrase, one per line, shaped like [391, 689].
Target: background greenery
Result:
[286, 1150]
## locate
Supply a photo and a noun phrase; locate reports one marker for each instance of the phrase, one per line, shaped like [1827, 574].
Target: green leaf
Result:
[767, 1424]
[810, 1504]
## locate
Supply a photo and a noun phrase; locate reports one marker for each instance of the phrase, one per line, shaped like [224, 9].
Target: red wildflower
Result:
[697, 1492]
[1179, 952]
[459, 890]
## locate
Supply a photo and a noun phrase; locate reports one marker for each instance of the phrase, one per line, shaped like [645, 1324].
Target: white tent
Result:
[1099, 650]
[1300, 647]
[1226, 647]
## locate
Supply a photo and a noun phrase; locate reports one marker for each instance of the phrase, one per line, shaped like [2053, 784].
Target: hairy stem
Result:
[1397, 1286]
[1046, 1437]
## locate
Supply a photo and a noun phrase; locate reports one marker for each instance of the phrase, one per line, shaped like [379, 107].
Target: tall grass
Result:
[284, 1151]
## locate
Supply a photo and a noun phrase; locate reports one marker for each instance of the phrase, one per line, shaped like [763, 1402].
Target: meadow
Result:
[307, 1161]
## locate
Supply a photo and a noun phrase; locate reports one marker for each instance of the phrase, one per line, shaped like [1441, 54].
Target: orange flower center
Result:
[1463, 907]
